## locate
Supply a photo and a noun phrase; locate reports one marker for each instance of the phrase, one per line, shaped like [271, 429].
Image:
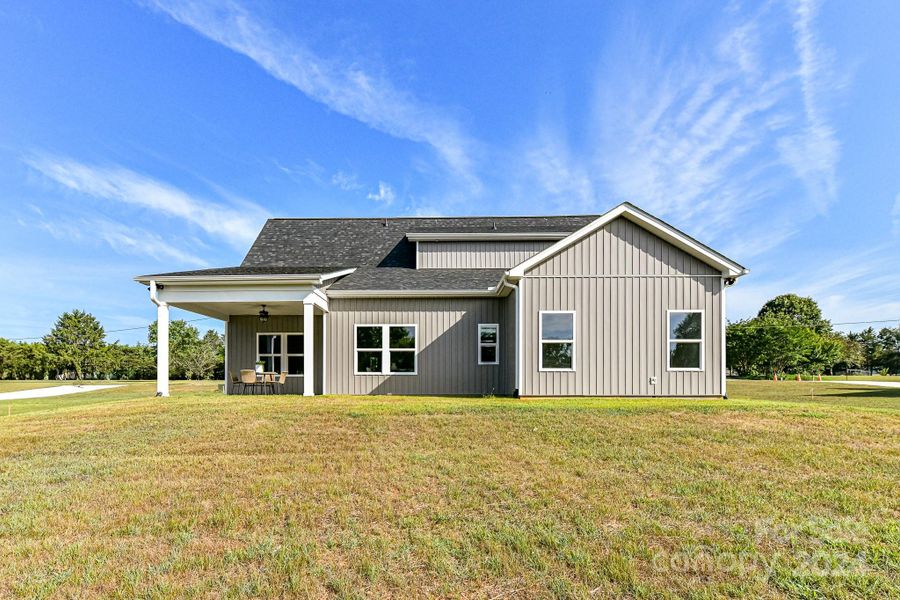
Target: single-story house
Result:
[618, 304]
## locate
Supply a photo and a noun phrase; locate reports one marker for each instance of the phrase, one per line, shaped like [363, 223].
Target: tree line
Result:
[76, 348]
[789, 335]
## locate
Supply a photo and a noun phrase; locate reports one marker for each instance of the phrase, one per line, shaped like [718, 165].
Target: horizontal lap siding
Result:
[242, 332]
[620, 281]
[447, 345]
[476, 255]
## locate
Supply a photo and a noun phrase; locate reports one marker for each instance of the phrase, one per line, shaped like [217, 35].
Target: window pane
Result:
[556, 356]
[270, 344]
[368, 362]
[488, 334]
[558, 326]
[295, 365]
[403, 337]
[295, 344]
[271, 363]
[489, 354]
[685, 326]
[684, 355]
[368, 337]
[403, 362]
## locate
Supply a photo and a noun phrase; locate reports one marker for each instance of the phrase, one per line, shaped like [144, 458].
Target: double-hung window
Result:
[557, 332]
[280, 352]
[685, 340]
[488, 340]
[385, 349]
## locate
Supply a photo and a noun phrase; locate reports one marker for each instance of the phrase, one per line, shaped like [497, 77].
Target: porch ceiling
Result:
[222, 310]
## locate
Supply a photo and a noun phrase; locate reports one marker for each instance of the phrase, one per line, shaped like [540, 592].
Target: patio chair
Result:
[248, 379]
[235, 382]
[282, 379]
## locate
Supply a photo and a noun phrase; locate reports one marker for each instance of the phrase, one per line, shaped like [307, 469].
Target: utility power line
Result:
[26, 339]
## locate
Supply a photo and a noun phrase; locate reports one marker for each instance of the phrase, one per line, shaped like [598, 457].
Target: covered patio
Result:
[281, 323]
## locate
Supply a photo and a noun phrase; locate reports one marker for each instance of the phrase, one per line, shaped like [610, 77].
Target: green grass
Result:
[202, 495]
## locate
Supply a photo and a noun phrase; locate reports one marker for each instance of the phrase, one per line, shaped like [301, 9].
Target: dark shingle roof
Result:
[284, 270]
[377, 242]
[314, 246]
[396, 278]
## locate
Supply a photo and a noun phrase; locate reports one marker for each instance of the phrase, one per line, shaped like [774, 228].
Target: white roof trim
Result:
[494, 291]
[665, 231]
[496, 236]
[304, 278]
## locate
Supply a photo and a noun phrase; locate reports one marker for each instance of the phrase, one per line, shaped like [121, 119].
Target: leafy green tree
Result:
[75, 342]
[869, 347]
[889, 348]
[190, 356]
[802, 311]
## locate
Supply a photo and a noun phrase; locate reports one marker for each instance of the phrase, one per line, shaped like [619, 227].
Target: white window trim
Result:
[496, 344]
[541, 340]
[386, 349]
[701, 341]
[284, 352]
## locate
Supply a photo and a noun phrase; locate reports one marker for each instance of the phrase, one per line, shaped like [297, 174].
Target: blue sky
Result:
[139, 137]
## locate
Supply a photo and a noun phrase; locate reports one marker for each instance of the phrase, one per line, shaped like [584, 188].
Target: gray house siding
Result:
[620, 281]
[447, 330]
[241, 332]
[476, 255]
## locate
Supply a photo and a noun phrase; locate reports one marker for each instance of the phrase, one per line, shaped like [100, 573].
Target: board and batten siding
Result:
[620, 281]
[447, 342]
[476, 255]
[242, 330]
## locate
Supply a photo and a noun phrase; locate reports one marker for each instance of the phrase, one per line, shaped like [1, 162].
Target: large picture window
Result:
[280, 352]
[685, 340]
[488, 344]
[385, 349]
[557, 332]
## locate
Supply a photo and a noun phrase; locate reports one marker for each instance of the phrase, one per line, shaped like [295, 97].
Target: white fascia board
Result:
[303, 279]
[666, 232]
[489, 292]
[497, 236]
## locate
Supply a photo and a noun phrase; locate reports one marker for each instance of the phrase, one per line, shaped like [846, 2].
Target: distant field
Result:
[786, 489]
[15, 386]
[862, 377]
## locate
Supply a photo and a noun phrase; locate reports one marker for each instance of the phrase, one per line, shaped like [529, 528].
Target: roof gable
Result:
[659, 228]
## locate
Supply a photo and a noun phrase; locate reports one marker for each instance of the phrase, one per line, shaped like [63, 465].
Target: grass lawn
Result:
[786, 489]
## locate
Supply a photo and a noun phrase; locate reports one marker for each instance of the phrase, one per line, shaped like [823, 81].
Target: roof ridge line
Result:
[422, 218]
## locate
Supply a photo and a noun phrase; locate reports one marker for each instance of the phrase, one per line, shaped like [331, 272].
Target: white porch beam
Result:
[309, 362]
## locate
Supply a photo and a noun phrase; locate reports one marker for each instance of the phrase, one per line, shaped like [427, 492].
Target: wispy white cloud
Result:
[726, 135]
[384, 195]
[347, 182]
[344, 87]
[236, 223]
[813, 152]
[560, 179]
[122, 238]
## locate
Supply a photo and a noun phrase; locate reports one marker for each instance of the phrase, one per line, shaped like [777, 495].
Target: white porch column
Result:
[309, 346]
[162, 349]
[324, 353]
